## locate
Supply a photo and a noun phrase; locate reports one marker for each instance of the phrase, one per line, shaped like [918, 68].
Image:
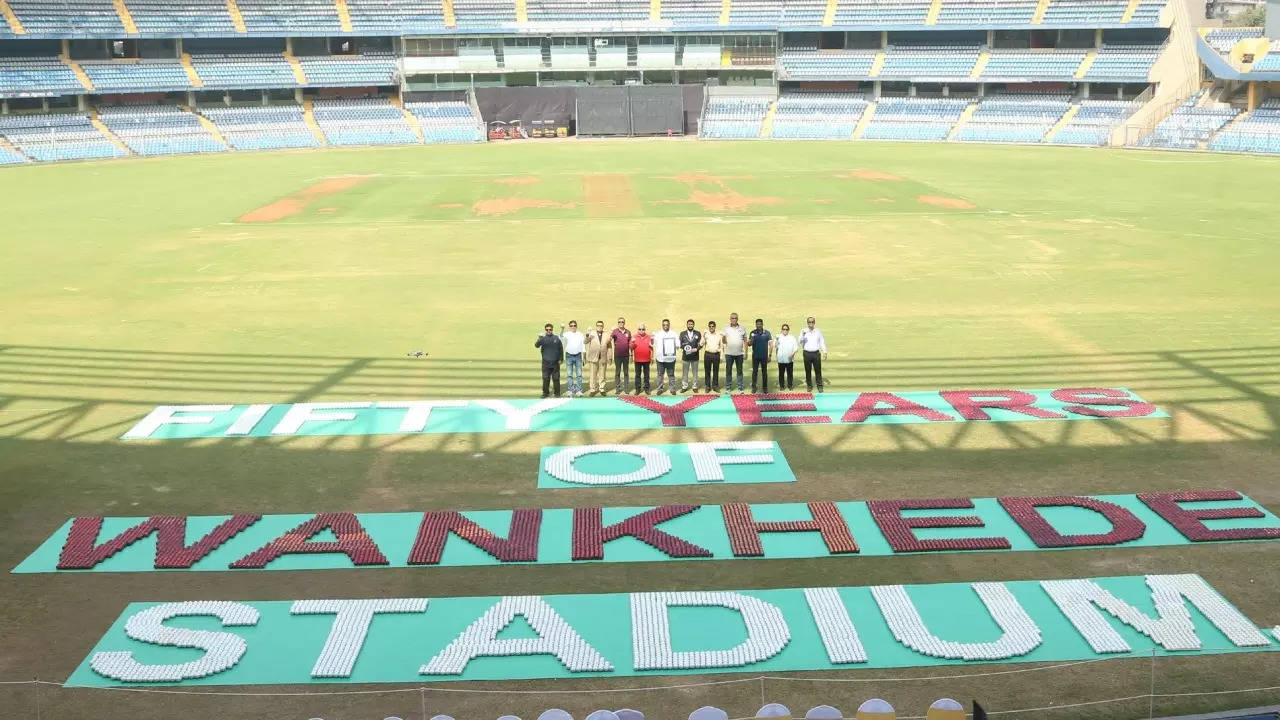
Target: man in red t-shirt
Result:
[642, 351]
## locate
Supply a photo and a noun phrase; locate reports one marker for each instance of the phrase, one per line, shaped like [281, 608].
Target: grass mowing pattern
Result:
[129, 284]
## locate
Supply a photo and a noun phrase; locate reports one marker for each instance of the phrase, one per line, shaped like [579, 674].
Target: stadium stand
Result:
[929, 61]
[1013, 118]
[450, 121]
[290, 17]
[817, 115]
[987, 12]
[1268, 63]
[734, 116]
[188, 18]
[262, 127]
[1188, 126]
[1223, 39]
[1033, 64]
[350, 70]
[485, 13]
[1256, 132]
[243, 70]
[363, 121]
[587, 11]
[755, 13]
[825, 64]
[36, 76]
[159, 130]
[692, 13]
[1123, 62]
[9, 157]
[57, 136]
[136, 76]
[878, 13]
[915, 118]
[1084, 12]
[1093, 122]
[68, 18]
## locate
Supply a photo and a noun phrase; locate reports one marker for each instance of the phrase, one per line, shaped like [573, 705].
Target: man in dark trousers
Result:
[552, 351]
[761, 344]
[690, 342]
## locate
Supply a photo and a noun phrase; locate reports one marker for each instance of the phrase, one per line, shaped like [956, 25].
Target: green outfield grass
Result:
[258, 277]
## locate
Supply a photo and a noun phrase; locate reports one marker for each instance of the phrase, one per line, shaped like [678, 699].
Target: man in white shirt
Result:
[574, 344]
[735, 349]
[785, 349]
[814, 346]
[665, 344]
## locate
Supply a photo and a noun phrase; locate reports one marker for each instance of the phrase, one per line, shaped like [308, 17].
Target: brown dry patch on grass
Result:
[327, 210]
[522, 180]
[507, 205]
[609, 195]
[451, 205]
[729, 201]
[945, 202]
[294, 204]
[874, 175]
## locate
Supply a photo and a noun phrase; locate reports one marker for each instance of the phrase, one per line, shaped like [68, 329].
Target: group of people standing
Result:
[595, 349]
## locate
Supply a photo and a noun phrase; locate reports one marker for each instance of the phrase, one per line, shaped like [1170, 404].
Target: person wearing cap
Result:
[665, 345]
[785, 348]
[642, 352]
[690, 342]
[761, 343]
[620, 341]
[596, 353]
[712, 346]
[574, 343]
[552, 348]
[735, 350]
[814, 345]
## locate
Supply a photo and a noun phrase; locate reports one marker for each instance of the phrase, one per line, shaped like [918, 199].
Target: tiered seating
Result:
[363, 121]
[290, 17]
[1268, 63]
[929, 61]
[187, 18]
[1257, 132]
[416, 16]
[691, 13]
[881, 13]
[1001, 13]
[68, 17]
[8, 157]
[1223, 39]
[817, 115]
[1085, 12]
[142, 76]
[1188, 126]
[1123, 62]
[587, 11]
[48, 138]
[36, 76]
[799, 13]
[485, 13]
[734, 116]
[243, 71]
[762, 13]
[1093, 123]
[914, 118]
[359, 70]
[1033, 64]
[262, 128]
[826, 64]
[1014, 118]
[1148, 12]
[700, 56]
[159, 130]
[448, 121]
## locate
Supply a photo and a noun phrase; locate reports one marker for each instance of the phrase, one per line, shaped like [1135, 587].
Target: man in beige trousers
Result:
[596, 357]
